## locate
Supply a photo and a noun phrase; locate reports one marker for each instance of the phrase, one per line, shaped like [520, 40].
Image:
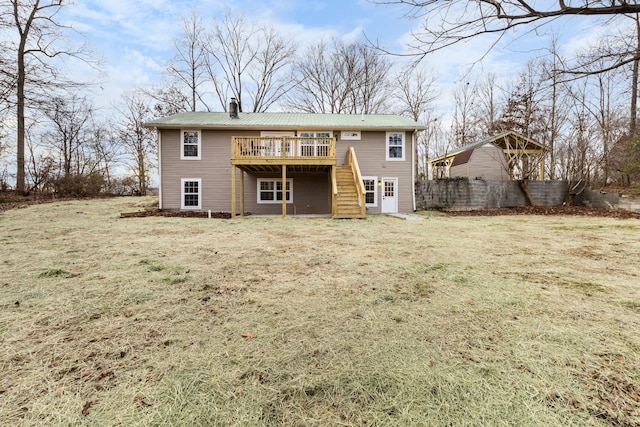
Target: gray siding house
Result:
[286, 163]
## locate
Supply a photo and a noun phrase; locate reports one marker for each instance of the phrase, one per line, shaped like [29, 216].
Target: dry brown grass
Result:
[161, 321]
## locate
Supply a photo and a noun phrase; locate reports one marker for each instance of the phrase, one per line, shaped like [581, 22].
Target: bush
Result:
[79, 185]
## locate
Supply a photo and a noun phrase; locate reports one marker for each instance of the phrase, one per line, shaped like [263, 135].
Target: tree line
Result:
[583, 110]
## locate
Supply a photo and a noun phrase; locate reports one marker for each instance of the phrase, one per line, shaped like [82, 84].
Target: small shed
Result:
[508, 155]
[486, 162]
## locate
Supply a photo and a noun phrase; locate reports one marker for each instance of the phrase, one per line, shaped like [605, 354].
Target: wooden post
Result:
[233, 191]
[241, 192]
[542, 168]
[284, 191]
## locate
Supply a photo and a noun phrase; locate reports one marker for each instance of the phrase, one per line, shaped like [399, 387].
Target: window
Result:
[190, 145]
[395, 146]
[191, 194]
[270, 191]
[370, 190]
[314, 147]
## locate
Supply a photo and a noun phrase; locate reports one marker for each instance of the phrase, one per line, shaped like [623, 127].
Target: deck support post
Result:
[284, 191]
[241, 192]
[233, 191]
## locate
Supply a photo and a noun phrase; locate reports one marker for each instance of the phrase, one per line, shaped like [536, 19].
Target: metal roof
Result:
[286, 121]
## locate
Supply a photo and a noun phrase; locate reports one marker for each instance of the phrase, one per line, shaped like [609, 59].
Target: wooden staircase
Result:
[347, 205]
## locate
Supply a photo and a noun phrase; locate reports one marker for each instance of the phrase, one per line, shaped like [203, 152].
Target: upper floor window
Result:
[395, 145]
[314, 147]
[190, 145]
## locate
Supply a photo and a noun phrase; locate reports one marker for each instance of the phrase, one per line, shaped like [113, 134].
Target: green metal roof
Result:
[286, 121]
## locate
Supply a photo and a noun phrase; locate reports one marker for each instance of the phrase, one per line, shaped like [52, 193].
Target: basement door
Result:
[389, 195]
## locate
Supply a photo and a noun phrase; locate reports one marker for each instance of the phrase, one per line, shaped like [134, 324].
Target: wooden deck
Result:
[282, 154]
[255, 151]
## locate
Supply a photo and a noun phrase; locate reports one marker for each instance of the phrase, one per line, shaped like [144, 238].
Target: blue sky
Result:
[135, 39]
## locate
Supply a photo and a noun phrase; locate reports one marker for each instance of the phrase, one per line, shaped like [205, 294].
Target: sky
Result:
[135, 39]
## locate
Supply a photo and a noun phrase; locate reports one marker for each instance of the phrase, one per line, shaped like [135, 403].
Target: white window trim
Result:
[375, 190]
[182, 193]
[386, 147]
[274, 202]
[182, 156]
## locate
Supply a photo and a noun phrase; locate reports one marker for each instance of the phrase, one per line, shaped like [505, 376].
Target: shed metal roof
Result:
[286, 121]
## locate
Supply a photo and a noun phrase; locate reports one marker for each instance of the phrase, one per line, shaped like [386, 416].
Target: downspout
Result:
[159, 168]
[413, 168]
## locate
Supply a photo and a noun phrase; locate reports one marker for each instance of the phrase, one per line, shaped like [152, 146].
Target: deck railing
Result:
[257, 147]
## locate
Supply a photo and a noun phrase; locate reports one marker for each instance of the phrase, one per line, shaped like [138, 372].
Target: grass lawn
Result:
[449, 321]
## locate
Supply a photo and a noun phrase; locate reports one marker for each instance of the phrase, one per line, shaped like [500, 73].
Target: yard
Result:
[466, 321]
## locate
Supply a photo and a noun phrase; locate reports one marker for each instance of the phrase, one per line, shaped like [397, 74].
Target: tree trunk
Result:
[524, 186]
[634, 83]
[20, 177]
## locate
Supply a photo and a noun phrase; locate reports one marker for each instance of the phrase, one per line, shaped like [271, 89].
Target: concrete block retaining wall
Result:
[480, 194]
[596, 199]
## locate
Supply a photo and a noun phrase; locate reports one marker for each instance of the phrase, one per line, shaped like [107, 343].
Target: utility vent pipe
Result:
[233, 109]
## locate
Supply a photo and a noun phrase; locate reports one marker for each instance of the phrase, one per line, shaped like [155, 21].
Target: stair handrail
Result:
[352, 161]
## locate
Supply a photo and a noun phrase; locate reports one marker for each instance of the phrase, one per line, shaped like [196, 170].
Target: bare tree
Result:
[106, 148]
[416, 95]
[456, 22]
[189, 65]
[232, 50]
[489, 97]
[41, 167]
[138, 142]
[71, 119]
[319, 88]
[167, 99]
[463, 126]
[577, 155]
[248, 60]
[554, 105]
[268, 76]
[340, 78]
[37, 33]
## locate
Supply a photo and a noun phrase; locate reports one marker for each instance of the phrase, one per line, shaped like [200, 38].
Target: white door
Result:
[389, 195]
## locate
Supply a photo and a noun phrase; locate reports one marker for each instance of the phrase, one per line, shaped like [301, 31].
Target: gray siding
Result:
[371, 154]
[311, 191]
[214, 169]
